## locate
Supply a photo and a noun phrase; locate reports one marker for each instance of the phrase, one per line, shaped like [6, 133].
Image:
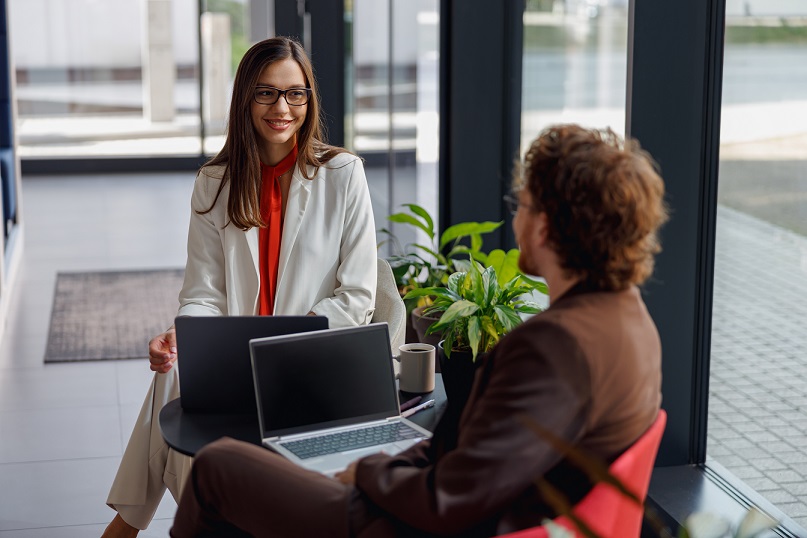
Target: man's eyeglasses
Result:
[267, 95]
[513, 203]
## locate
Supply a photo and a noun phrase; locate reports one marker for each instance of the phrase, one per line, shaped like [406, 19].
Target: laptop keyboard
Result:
[351, 440]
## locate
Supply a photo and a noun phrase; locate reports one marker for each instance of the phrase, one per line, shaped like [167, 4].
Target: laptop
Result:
[327, 398]
[215, 374]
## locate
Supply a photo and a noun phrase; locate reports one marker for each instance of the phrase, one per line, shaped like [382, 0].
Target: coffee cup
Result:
[417, 367]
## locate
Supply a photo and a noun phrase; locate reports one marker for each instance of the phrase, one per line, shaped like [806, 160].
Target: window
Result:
[392, 109]
[121, 78]
[575, 65]
[757, 425]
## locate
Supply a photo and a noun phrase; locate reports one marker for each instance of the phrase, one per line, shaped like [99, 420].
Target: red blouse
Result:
[270, 235]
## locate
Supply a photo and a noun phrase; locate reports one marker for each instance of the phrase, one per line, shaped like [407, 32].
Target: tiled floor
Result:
[758, 396]
[63, 427]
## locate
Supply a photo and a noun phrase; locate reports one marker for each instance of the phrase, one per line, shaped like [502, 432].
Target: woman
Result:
[281, 223]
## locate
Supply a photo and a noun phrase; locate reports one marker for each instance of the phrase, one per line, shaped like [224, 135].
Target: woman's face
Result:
[277, 125]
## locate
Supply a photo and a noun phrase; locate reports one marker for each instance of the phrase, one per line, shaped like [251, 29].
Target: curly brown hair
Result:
[604, 201]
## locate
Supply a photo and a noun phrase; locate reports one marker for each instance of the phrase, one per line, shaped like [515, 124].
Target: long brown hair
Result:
[242, 166]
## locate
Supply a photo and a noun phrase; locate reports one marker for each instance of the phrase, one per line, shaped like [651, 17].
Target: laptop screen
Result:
[323, 379]
[215, 371]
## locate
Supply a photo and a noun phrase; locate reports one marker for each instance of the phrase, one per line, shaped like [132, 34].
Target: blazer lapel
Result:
[252, 243]
[299, 193]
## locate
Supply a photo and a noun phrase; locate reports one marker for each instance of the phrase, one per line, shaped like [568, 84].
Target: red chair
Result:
[606, 511]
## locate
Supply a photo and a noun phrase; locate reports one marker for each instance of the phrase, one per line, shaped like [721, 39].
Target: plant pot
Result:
[458, 373]
[422, 323]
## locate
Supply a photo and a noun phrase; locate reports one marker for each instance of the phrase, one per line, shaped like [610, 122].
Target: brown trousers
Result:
[240, 489]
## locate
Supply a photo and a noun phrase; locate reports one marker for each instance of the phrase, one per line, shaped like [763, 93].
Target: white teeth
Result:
[279, 123]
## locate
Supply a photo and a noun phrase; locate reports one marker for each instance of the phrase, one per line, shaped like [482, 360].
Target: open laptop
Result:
[327, 398]
[215, 373]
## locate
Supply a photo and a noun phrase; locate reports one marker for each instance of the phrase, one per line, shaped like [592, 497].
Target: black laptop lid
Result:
[324, 379]
[213, 355]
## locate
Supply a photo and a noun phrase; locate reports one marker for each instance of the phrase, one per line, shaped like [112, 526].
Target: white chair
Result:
[389, 306]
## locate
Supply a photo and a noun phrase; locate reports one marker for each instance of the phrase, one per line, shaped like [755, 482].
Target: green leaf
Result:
[474, 336]
[508, 317]
[505, 263]
[476, 242]
[459, 309]
[464, 229]
[491, 286]
[403, 218]
[489, 327]
[434, 291]
[462, 265]
[528, 308]
[536, 284]
[427, 250]
[455, 281]
[422, 213]
[481, 257]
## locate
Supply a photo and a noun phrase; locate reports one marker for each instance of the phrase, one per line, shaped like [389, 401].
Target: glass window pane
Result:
[757, 421]
[392, 109]
[225, 39]
[575, 65]
[111, 78]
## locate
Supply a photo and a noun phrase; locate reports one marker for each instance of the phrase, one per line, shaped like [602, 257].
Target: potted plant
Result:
[478, 307]
[418, 266]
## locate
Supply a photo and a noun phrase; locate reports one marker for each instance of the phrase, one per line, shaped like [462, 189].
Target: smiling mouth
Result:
[278, 124]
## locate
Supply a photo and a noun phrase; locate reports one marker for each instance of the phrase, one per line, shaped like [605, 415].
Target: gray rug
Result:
[110, 314]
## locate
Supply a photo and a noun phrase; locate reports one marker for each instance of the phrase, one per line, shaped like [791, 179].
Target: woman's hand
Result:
[163, 351]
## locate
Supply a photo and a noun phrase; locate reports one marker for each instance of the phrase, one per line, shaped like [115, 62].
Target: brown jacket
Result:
[587, 369]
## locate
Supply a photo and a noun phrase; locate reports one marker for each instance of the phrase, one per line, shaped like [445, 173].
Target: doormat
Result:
[110, 314]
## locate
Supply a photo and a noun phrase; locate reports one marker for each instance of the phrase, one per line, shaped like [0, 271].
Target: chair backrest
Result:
[389, 306]
[605, 510]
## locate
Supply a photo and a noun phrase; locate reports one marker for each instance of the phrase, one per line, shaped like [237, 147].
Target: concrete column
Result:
[216, 52]
[159, 72]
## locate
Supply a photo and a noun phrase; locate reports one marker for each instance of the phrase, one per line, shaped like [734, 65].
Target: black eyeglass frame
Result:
[512, 202]
[283, 93]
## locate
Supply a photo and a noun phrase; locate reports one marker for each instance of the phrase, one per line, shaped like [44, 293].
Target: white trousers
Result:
[148, 465]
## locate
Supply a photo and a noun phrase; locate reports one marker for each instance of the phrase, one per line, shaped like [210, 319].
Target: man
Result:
[587, 370]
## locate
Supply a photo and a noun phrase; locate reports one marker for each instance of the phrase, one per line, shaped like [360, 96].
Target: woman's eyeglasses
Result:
[267, 95]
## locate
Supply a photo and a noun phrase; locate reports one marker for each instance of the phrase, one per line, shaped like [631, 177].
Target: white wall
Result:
[91, 33]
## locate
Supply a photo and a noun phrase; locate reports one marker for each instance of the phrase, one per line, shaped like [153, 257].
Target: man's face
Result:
[529, 227]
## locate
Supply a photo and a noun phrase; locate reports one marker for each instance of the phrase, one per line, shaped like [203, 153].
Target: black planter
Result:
[458, 377]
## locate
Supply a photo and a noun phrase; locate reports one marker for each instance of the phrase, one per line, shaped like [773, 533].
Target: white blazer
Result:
[327, 252]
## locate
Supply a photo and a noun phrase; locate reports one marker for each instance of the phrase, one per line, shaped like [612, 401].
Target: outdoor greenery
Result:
[239, 44]
[757, 34]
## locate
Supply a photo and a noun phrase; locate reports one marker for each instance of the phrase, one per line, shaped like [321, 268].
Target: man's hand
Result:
[348, 476]
[163, 351]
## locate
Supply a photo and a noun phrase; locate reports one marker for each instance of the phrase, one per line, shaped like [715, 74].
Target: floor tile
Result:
[59, 434]
[61, 493]
[63, 385]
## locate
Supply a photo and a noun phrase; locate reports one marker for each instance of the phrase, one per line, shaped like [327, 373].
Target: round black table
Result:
[188, 432]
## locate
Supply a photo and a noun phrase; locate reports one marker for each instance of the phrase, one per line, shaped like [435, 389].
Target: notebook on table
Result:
[215, 374]
[327, 398]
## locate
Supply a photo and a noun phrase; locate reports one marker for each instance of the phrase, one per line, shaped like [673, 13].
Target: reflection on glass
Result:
[757, 420]
[119, 78]
[575, 65]
[392, 110]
